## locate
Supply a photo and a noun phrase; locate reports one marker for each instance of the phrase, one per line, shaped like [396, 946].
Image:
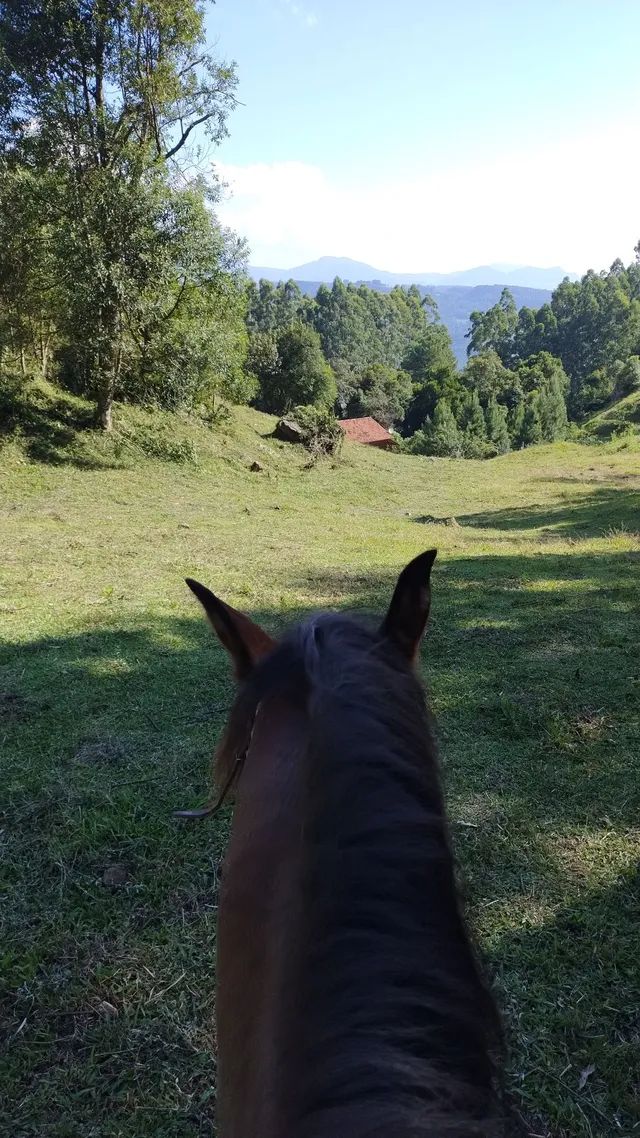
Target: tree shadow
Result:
[571, 993]
[49, 427]
[531, 663]
[532, 666]
[585, 516]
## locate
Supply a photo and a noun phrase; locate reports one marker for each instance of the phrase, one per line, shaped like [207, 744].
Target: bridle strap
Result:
[213, 807]
[230, 781]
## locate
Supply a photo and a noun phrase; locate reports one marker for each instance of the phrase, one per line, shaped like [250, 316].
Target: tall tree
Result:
[440, 436]
[497, 429]
[111, 95]
[430, 362]
[494, 330]
[30, 300]
[382, 392]
[474, 428]
[301, 374]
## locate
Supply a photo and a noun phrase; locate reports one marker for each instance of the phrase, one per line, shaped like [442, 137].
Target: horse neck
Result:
[257, 927]
[394, 1022]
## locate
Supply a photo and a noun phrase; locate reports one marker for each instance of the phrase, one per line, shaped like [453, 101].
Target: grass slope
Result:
[621, 416]
[112, 692]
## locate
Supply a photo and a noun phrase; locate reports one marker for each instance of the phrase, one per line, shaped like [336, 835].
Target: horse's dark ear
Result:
[408, 612]
[245, 641]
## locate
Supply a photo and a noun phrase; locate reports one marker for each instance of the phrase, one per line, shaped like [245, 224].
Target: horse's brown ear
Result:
[408, 612]
[245, 641]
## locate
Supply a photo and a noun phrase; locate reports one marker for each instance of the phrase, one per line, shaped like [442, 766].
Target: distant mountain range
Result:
[325, 269]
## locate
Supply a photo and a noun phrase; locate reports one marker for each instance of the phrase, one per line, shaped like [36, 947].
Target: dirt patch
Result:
[12, 705]
[109, 752]
[115, 875]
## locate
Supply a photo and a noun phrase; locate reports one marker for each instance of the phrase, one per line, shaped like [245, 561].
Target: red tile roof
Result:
[365, 430]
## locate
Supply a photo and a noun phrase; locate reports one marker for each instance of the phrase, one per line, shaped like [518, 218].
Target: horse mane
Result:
[396, 1032]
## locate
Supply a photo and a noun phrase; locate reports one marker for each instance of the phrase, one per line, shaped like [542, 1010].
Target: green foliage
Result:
[595, 391]
[30, 294]
[380, 391]
[273, 307]
[487, 375]
[322, 433]
[592, 326]
[627, 377]
[363, 326]
[301, 375]
[553, 412]
[439, 436]
[345, 324]
[430, 362]
[498, 438]
[474, 430]
[109, 136]
[262, 362]
[541, 369]
[494, 330]
[536, 331]
[531, 427]
[544, 377]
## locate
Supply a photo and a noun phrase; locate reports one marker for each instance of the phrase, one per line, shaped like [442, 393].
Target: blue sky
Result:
[418, 135]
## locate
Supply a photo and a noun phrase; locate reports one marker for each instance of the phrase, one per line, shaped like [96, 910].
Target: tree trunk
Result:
[107, 365]
[44, 354]
[104, 406]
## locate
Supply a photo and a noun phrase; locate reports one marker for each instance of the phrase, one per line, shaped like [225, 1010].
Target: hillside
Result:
[621, 415]
[112, 692]
[455, 304]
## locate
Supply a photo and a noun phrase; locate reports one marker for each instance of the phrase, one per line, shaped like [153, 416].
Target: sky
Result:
[433, 135]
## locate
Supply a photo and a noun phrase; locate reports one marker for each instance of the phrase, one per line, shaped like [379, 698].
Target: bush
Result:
[321, 432]
[628, 377]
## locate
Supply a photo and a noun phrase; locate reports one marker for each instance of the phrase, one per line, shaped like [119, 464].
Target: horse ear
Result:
[408, 612]
[245, 641]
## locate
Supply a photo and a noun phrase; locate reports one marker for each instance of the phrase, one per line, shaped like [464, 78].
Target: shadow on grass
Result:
[532, 663]
[572, 994]
[533, 669]
[591, 515]
[50, 428]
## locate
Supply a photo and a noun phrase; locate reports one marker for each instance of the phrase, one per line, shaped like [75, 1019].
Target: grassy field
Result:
[112, 692]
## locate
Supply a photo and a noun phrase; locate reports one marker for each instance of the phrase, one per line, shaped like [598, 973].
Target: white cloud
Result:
[573, 204]
[300, 12]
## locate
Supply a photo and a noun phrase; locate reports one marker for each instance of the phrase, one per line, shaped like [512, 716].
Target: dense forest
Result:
[118, 283]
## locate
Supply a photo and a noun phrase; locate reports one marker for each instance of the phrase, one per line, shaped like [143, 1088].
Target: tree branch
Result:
[185, 134]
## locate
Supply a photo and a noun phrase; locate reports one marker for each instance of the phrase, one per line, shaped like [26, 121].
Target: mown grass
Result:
[112, 692]
[622, 416]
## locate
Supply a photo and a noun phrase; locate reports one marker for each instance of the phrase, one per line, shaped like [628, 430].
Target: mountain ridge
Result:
[325, 269]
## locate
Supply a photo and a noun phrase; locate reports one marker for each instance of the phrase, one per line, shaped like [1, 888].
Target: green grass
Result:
[112, 692]
[621, 416]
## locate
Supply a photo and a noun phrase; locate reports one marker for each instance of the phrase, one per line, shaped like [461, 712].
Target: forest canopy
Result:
[117, 281]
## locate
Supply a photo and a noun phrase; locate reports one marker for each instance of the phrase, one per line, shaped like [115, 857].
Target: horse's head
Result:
[249, 646]
[403, 625]
[348, 996]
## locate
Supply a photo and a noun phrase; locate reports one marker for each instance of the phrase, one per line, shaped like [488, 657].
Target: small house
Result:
[368, 432]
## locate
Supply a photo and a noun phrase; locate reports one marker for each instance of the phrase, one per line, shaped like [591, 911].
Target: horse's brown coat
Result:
[349, 1002]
